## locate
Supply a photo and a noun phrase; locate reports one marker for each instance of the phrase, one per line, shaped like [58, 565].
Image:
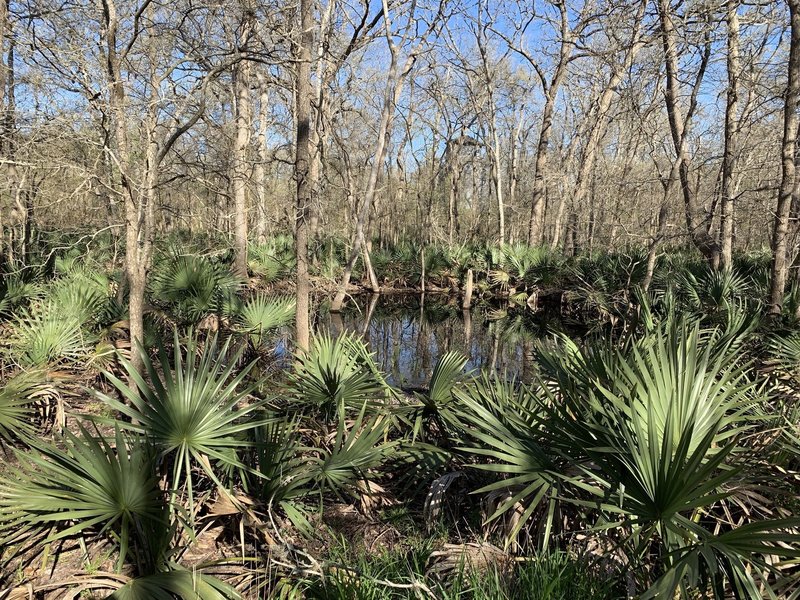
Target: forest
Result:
[399, 299]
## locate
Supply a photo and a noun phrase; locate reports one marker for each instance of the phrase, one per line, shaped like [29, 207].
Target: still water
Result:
[408, 333]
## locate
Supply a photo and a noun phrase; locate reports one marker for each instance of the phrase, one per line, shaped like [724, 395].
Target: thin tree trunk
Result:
[729, 158]
[679, 125]
[301, 171]
[239, 177]
[597, 129]
[790, 122]
[393, 88]
[260, 167]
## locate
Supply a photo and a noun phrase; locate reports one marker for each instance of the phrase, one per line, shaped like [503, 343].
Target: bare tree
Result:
[302, 166]
[780, 231]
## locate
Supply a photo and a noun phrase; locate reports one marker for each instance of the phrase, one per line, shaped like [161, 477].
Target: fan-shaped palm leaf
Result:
[335, 372]
[193, 286]
[19, 397]
[45, 337]
[194, 408]
[176, 583]
[89, 486]
[261, 314]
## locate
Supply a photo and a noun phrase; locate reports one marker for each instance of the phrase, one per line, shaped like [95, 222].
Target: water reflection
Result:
[409, 333]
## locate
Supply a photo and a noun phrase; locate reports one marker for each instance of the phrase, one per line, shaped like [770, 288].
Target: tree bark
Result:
[239, 176]
[780, 231]
[301, 171]
[391, 95]
[729, 157]
[679, 125]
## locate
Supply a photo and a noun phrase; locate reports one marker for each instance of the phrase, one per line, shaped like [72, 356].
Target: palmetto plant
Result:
[43, 336]
[14, 291]
[272, 259]
[20, 404]
[651, 431]
[261, 314]
[336, 372]
[193, 286]
[503, 424]
[87, 488]
[359, 445]
[662, 428]
[194, 408]
[435, 405]
[712, 291]
[175, 582]
[83, 294]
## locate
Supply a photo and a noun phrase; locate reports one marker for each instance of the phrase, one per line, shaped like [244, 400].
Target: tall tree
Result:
[680, 125]
[241, 166]
[729, 157]
[780, 230]
[302, 165]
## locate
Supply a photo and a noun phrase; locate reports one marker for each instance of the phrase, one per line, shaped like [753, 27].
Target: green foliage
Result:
[504, 425]
[89, 487]
[261, 314]
[358, 447]
[15, 292]
[193, 286]
[19, 396]
[653, 431]
[336, 372]
[193, 408]
[435, 409]
[273, 259]
[42, 336]
[180, 583]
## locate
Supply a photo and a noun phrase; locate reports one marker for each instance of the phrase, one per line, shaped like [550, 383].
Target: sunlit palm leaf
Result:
[194, 407]
[89, 486]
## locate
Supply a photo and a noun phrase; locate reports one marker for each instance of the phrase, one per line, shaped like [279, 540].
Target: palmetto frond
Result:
[20, 404]
[88, 487]
[193, 286]
[175, 583]
[194, 407]
[262, 314]
[336, 372]
[46, 337]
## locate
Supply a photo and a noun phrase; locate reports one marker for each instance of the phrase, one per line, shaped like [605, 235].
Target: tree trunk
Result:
[260, 167]
[679, 125]
[536, 224]
[301, 171]
[239, 177]
[729, 157]
[394, 85]
[788, 148]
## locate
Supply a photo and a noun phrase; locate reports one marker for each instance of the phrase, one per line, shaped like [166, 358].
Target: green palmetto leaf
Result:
[261, 314]
[89, 486]
[83, 295]
[194, 408]
[14, 291]
[335, 372]
[503, 427]
[447, 371]
[738, 556]
[17, 397]
[180, 583]
[193, 286]
[661, 426]
[283, 468]
[358, 447]
[46, 337]
[435, 403]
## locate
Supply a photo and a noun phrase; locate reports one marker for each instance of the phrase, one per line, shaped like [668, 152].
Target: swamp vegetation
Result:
[620, 443]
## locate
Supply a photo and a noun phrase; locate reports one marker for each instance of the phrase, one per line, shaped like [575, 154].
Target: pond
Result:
[408, 333]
